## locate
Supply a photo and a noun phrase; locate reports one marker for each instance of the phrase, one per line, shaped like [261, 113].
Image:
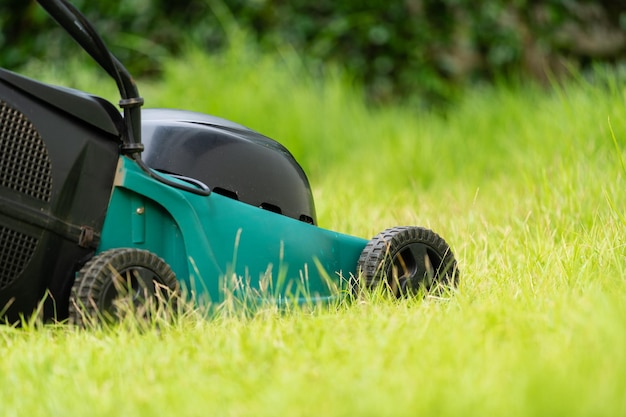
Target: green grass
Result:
[527, 185]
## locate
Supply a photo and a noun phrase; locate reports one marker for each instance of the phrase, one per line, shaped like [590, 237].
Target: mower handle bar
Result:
[77, 25]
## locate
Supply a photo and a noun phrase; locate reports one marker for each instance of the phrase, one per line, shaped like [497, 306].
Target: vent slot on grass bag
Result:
[16, 250]
[24, 163]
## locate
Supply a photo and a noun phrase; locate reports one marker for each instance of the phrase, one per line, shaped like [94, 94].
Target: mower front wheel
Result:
[119, 282]
[407, 260]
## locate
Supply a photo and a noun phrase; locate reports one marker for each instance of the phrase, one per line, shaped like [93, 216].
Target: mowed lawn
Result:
[526, 184]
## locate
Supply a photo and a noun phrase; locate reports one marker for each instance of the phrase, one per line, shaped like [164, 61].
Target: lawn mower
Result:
[98, 204]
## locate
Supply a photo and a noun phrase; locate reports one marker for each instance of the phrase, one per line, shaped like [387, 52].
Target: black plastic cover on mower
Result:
[230, 159]
[59, 151]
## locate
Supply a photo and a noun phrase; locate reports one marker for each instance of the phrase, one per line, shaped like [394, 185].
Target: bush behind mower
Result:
[98, 205]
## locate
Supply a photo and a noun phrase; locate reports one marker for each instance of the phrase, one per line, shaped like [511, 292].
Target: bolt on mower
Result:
[98, 204]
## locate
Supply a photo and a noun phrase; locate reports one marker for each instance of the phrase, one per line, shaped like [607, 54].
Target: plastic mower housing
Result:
[100, 205]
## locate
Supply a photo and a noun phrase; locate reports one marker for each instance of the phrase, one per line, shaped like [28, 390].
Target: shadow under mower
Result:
[98, 205]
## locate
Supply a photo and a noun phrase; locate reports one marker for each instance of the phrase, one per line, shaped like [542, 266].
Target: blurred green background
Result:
[422, 52]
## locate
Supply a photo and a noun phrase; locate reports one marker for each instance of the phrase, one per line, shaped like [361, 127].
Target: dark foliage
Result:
[423, 50]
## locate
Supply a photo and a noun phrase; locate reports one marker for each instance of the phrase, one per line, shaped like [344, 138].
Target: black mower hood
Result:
[229, 158]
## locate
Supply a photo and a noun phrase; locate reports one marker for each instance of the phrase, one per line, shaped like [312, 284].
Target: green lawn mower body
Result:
[210, 240]
[91, 199]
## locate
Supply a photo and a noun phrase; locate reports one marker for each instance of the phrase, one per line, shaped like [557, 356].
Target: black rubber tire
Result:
[407, 260]
[116, 276]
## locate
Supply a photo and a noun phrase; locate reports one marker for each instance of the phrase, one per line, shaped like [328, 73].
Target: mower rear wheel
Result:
[119, 282]
[407, 260]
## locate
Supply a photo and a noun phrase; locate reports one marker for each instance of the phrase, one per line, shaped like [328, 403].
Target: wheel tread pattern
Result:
[378, 253]
[95, 274]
